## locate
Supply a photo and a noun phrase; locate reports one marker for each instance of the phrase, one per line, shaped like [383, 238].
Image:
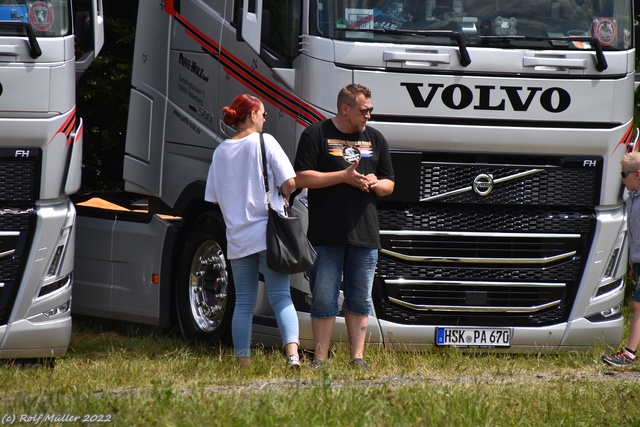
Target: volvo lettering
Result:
[457, 97]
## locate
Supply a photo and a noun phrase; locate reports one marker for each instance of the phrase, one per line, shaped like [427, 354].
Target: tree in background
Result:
[103, 99]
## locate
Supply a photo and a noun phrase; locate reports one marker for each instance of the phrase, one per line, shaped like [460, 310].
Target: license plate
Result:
[474, 337]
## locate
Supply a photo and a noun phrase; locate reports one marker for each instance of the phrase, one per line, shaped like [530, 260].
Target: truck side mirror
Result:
[89, 31]
[252, 24]
[97, 20]
[83, 30]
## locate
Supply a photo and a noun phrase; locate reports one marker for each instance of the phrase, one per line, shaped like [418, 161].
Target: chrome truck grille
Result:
[19, 187]
[488, 243]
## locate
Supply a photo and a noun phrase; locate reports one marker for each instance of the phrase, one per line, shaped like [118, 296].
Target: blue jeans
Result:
[355, 266]
[636, 292]
[245, 278]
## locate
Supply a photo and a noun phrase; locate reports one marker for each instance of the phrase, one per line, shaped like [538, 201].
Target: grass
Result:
[141, 377]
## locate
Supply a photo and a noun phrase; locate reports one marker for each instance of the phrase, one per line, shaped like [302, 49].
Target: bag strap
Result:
[265, 176]
[264, 165]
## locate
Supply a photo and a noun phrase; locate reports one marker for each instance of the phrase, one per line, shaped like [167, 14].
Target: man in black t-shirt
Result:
[346, 166]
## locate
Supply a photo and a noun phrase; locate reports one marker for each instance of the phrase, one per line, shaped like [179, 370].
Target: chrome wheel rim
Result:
[208, 285]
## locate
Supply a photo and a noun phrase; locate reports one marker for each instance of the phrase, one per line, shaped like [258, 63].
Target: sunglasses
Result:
[364, 111]
[626, 173]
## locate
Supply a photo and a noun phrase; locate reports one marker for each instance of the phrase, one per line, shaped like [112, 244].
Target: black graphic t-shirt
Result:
[343, 214]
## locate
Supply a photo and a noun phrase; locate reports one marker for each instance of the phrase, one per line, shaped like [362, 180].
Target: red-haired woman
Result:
[235, 182]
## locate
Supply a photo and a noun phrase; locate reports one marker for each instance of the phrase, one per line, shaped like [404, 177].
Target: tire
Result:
[35, 363]
[205, 295]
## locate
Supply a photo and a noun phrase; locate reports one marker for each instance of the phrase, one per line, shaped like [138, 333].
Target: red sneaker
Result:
[621, 359]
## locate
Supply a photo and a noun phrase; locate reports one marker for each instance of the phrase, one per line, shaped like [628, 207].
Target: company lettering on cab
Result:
[458, 97]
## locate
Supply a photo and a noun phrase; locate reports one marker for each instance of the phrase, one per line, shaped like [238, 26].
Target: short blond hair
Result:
[349, 93]
[631, 161]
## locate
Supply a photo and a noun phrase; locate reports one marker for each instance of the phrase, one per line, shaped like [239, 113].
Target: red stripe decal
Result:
[67, 127]
[303, 113]
[626, 139]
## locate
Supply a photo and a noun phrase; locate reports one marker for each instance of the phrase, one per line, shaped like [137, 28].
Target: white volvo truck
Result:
[506, 121]
[40, 166]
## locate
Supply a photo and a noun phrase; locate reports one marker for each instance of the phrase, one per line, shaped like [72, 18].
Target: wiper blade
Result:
[601, 61]
[465, 59]
[34, 51]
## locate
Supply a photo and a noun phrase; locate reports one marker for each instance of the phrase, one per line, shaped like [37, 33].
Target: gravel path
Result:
[400, 381]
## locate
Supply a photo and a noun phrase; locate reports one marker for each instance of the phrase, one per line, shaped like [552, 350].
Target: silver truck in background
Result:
[40, 166]
[506, 122]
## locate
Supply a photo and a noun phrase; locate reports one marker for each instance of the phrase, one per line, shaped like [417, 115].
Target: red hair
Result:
[241, 107]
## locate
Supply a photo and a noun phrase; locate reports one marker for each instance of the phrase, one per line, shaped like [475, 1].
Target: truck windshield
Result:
[48, 18]
[531, 24]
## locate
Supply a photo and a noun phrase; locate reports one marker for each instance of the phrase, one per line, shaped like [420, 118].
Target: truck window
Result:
[47, 18]
[490, 23]
[280, 27]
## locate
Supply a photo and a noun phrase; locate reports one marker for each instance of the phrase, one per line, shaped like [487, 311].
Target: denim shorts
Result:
[355, 266]
[636, 293]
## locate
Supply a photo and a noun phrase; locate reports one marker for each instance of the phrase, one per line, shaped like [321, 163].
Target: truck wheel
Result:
[205, 295]
[34, 363]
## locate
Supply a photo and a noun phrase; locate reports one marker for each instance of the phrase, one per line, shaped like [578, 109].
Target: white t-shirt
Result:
[235, 182]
